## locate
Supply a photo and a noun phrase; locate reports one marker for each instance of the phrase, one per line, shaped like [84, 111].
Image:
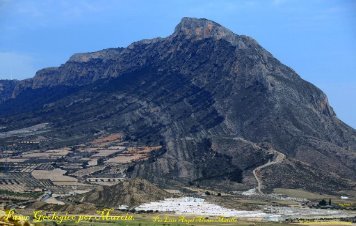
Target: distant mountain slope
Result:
[6, 89]
[217, 101]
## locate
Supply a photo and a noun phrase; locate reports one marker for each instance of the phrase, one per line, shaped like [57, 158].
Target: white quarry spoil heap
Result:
[196, 206]
[199, 207]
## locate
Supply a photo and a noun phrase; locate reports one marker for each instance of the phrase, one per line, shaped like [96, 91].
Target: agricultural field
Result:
[299, 193]
[56, 176]
[133, 154]
[50, 154]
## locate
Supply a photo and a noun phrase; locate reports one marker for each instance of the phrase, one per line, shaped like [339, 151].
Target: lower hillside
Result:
[131, 193]
[296, 174]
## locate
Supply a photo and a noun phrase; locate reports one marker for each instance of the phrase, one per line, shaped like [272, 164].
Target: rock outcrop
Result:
[130, 193]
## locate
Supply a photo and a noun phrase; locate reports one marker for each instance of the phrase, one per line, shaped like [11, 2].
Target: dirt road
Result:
[279, 157]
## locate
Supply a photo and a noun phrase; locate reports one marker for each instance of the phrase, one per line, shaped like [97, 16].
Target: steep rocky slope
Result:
[6, 89]
[217, 101]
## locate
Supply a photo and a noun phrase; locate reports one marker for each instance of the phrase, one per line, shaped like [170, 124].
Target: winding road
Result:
[279, 157]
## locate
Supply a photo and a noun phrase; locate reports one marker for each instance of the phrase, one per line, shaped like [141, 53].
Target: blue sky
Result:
[315, 37]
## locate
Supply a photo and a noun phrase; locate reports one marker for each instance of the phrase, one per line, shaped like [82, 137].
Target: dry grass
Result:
[108, 139]
[13, 160]
[145, 149]
[124, 159]
[323, 223]
[105, 152]
[133, 154]
[87, 171]
[47, 154]
[56, 175]
[299, 193]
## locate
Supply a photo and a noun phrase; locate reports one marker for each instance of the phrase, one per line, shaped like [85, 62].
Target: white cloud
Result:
[16, 66]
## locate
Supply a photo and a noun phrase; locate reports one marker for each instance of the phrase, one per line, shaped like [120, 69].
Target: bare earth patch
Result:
[56, 176]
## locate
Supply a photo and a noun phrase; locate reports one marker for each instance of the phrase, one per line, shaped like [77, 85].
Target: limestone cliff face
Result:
[218, 101]
[6, 89]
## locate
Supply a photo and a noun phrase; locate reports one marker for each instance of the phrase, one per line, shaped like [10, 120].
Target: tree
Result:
[322, 203]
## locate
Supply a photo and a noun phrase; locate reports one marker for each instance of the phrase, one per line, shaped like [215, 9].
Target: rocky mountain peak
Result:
[203, 28]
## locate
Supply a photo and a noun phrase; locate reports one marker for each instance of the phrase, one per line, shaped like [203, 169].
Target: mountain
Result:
[219, 103]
